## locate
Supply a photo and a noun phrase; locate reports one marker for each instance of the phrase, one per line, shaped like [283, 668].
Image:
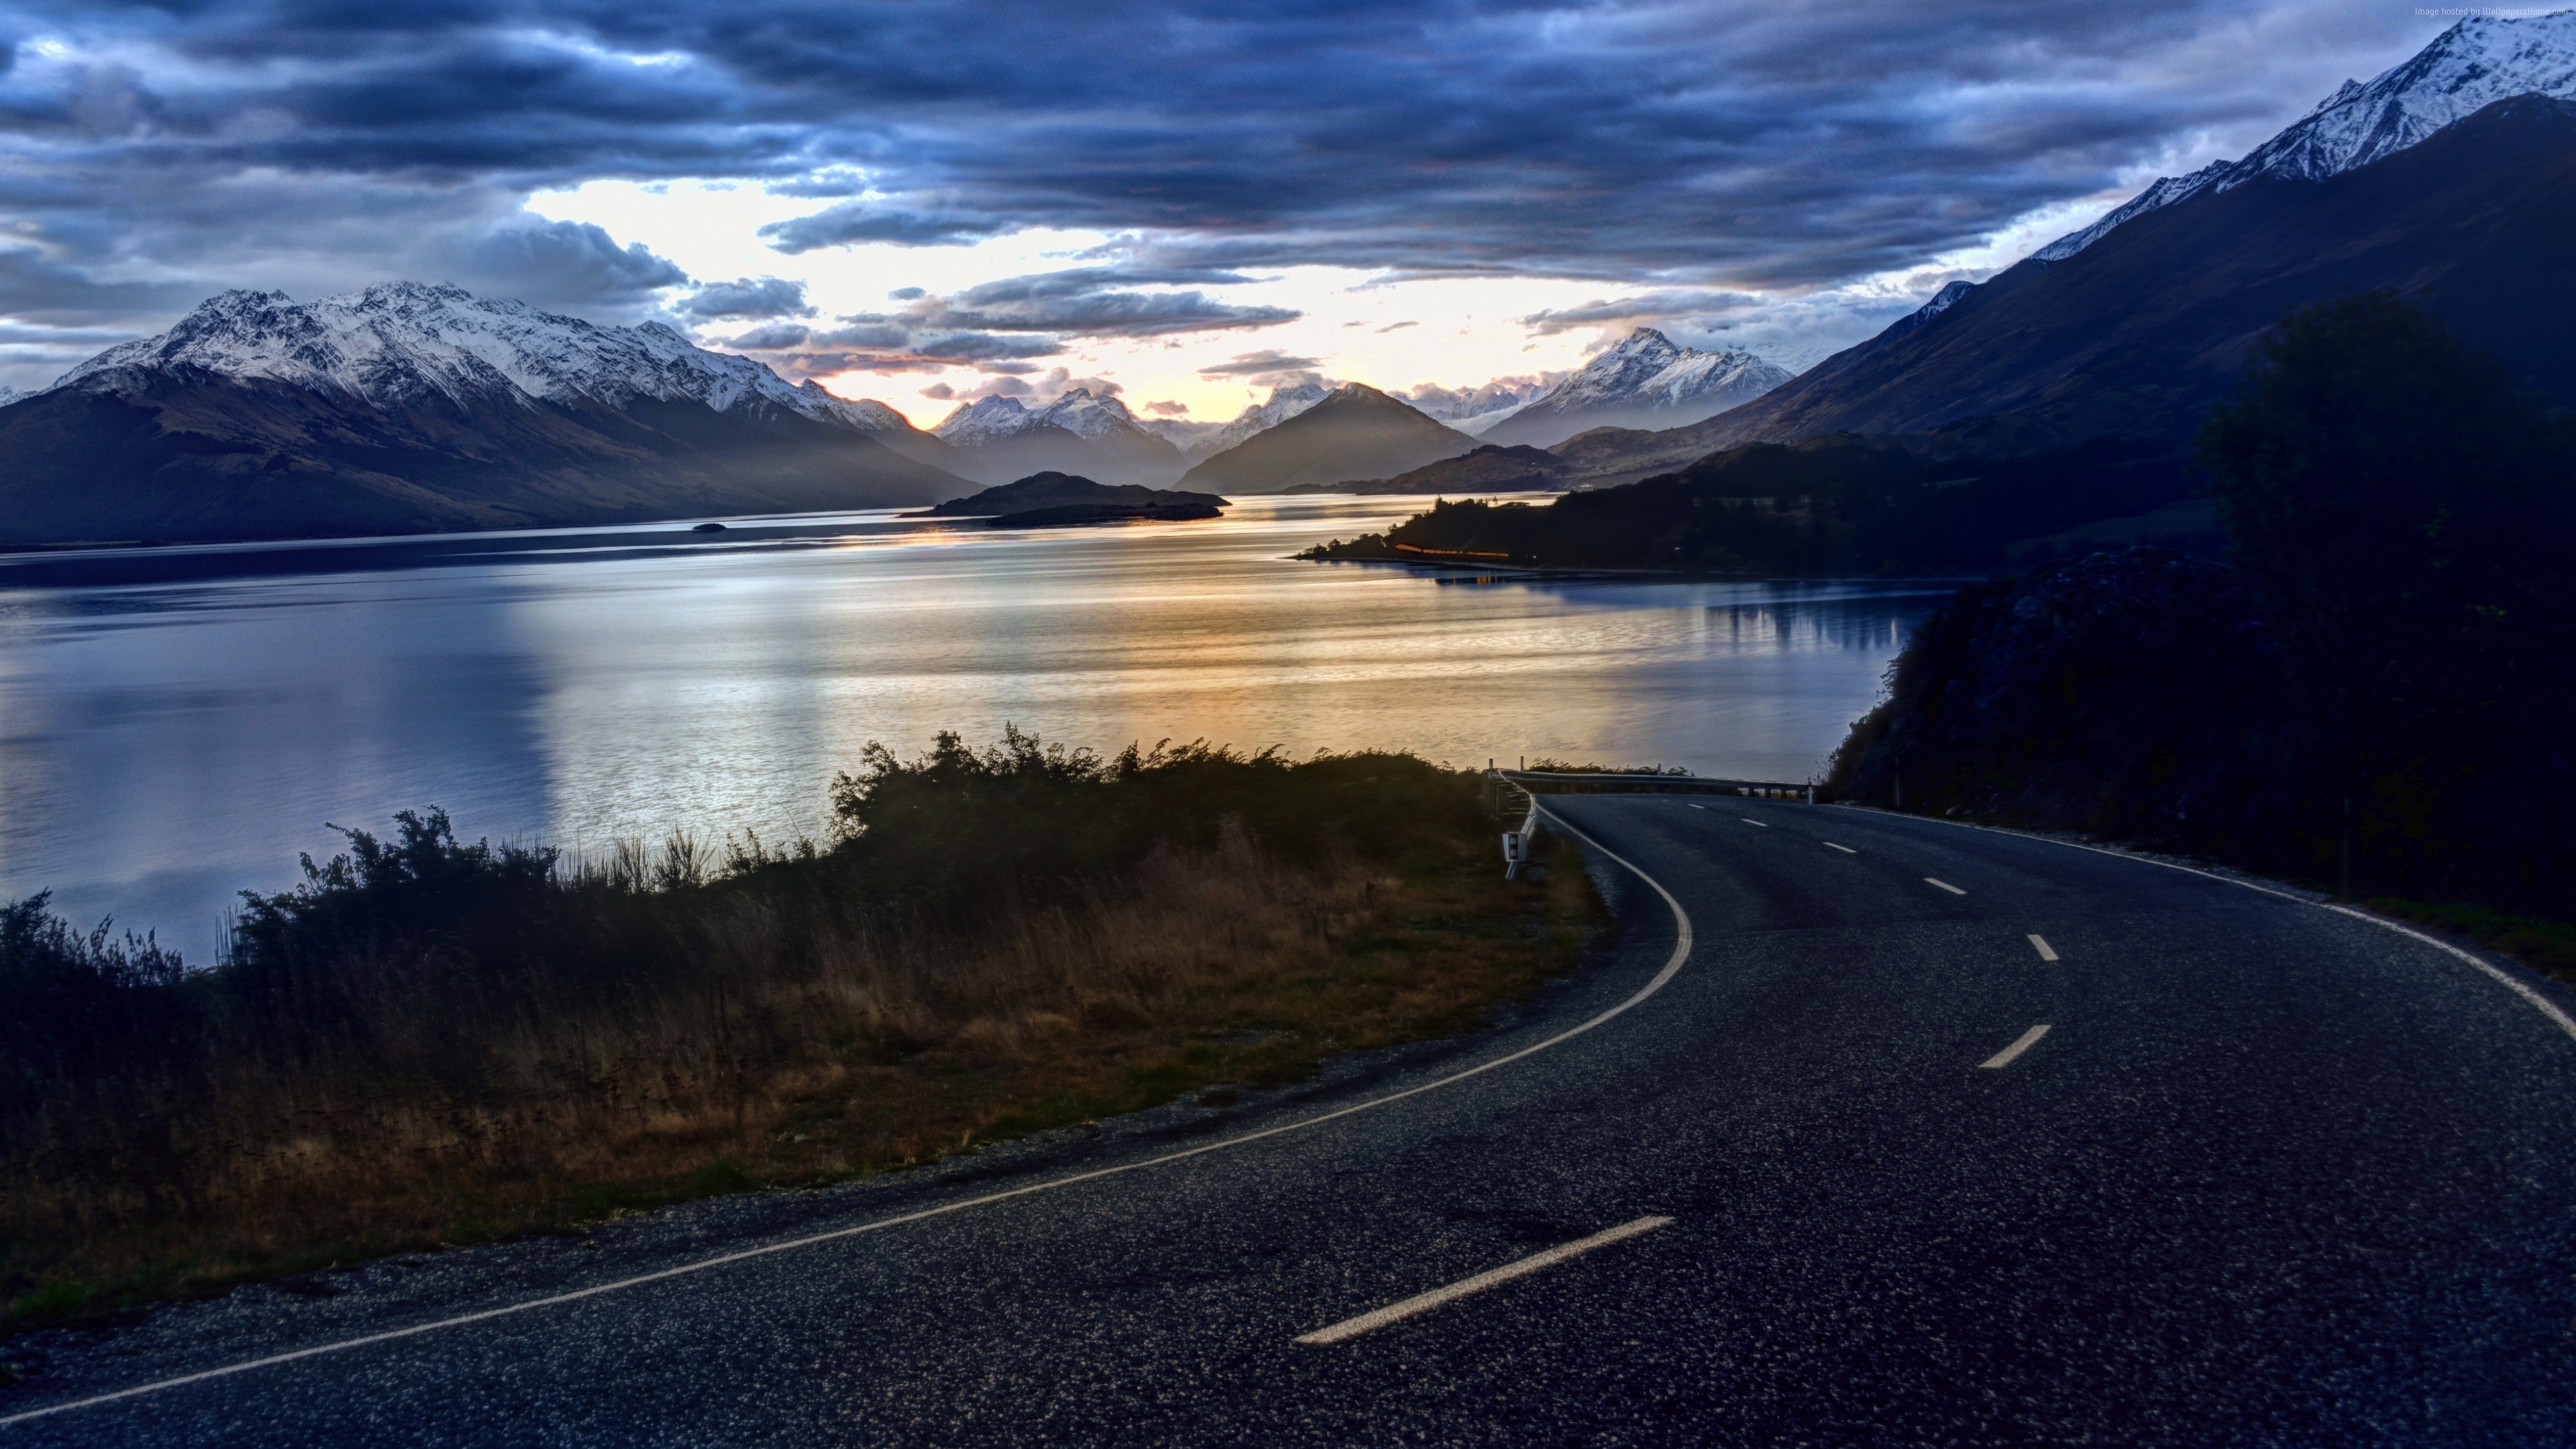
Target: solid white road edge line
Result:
[1671, 968]
[1845, 849]
[1945, 885]
[1425, 1302]
[2539, 1003]
[2041, 942]
[2023, 1043]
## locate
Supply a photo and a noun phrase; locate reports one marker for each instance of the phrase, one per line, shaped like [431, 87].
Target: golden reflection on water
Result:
[167, 744]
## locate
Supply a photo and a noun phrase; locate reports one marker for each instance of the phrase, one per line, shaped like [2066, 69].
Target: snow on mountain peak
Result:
[1086, 415]
[2477, 62]
[1943, 300]
[2165, 191]
[1646, 368]
[982, 420]
[1285, 402]
[1078, 411]
[398, 343]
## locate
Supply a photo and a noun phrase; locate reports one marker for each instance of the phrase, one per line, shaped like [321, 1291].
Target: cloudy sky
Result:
[922, 201]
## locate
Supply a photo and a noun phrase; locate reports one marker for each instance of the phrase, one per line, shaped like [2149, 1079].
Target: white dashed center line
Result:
[1425, 1302]
[2041, 942]
[1758, 825]
[1699, 807]
[2028, 1040]
[1945, 885]
[1845, 849]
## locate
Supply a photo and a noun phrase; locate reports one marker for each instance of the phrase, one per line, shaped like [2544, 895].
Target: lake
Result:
[176, 724]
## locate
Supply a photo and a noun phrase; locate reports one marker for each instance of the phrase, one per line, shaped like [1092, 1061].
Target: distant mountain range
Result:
[1646, 381]
[1473, 410]
[997, 439]
[408, 407]
[412, 408]
[1201, 440]
[2134, 329]
[1354, 431]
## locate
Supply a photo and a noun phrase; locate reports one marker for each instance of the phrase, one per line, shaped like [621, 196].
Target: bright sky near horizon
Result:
[1185, 200]
[1352, 325]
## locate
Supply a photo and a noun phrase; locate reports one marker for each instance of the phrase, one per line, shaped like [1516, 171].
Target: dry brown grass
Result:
[808, 1048]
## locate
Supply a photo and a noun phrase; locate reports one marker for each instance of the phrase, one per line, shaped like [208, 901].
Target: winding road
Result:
[1872, 1130]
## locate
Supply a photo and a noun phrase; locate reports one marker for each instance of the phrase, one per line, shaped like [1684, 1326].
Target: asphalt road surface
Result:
[1796, 1166]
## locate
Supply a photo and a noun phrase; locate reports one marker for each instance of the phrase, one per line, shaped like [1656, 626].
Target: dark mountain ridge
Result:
[2140, 332]
[1492, 468]
[1356, 432]
[1844, 504]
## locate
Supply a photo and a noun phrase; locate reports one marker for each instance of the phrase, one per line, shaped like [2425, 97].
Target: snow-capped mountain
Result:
[2164, 192]
[1085, 416]
[9, 394]
[981, 421]
[1473, 410]
[1284, 403]
[1646, 381]
[1082, 433]
[2135, 339]
[1942, 301]
[1182, 433]
[408, 407]
[401, 343]
[1199, 441]
[1078, 412]
[2468, 67]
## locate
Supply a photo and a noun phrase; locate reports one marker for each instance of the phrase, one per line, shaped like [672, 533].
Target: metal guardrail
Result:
[1513, 794]
[1510, 803]
[1660, 784]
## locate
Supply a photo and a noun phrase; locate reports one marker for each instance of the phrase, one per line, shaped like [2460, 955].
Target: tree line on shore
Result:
[2374, 690]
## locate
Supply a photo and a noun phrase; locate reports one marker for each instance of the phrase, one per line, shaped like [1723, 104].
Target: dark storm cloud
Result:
[876, 344]
[1097, 301]
[553, 263]
[777, 336]
[1017, 317]
[862, 221]
[1255, 364]
[1775, 145]
[1643, 308]
[34, 289]
[747, 299]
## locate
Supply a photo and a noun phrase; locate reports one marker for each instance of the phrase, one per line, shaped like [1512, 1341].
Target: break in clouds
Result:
[1705, 160]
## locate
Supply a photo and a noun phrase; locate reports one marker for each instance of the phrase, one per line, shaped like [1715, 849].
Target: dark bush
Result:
[958, 825]
[74, 1006]
[2134, 694]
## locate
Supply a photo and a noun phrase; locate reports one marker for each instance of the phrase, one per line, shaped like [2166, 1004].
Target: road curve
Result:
[1872, 1130]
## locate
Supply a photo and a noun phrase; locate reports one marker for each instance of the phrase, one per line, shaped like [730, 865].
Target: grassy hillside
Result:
[433, 1042]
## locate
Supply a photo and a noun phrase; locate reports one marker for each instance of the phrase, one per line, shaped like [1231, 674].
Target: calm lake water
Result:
[175, 725]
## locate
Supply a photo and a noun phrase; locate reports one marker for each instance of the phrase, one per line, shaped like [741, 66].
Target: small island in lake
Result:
[1062, 500]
